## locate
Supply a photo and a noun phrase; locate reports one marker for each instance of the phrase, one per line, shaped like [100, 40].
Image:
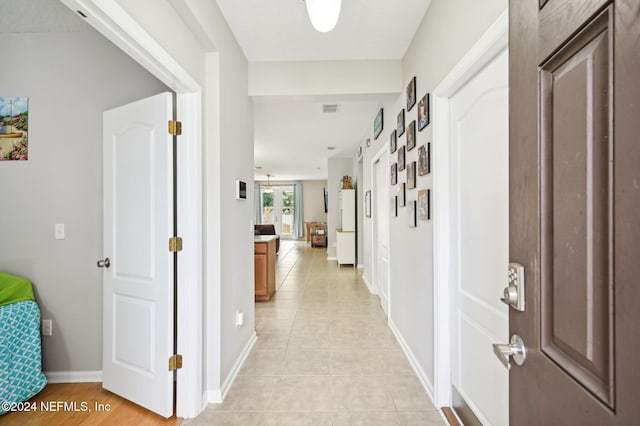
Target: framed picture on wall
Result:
[393, 141]
[402, 195]
[377, 125]
[400, 123]
[394, 206]
[14, 128]
[424, 208]
[367, 203]
[411, 135]
[424, 159]
[401, 157]
[411, 213]
[411, 94]
[411, 175]
[394, 173]
[423, 112]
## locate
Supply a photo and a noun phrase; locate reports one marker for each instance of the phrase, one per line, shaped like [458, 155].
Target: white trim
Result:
[217, 396]
[360, 266]
[121, 29]
[422, 376]
[74, 376]
[492, 42]
[115, 24]
[366, 281]
[331, 258]
[373, 287]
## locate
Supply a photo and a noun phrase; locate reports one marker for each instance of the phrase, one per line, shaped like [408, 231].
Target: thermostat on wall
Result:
[241, 190]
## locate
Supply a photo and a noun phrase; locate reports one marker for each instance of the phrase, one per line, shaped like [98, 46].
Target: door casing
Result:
[375, 273]
[110, 20]
[494, 40]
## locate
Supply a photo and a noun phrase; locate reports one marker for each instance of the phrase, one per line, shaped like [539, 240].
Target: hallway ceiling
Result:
[280, 30]
[292, 134]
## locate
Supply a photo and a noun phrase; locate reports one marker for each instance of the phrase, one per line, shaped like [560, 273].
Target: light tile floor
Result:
[324, 356]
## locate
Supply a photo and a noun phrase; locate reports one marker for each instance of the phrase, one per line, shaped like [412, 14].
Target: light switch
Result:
[59, 231]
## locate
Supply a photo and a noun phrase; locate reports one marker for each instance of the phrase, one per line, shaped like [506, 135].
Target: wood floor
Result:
[50, 410]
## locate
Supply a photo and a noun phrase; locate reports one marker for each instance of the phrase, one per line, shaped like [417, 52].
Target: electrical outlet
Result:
[47, 327]
[239, 318]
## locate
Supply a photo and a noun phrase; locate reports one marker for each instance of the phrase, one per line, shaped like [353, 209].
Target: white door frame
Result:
[373, 288]
[494, 41]
[107, 17]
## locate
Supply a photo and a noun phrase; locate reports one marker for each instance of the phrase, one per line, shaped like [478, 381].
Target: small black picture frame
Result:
[393, 142]
[400, 123]
[402, 195]
[424, 159]
[401, 158]
[394, 206]
[377, 124]
[394, 174]
[367, 203]
[411, 94]
[411, 135]
[423, 112]
[424, 204]
[411, 175]
[411, 213]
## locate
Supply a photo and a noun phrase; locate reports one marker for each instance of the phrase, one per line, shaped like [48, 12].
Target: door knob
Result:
[515, 349]
[104, 263]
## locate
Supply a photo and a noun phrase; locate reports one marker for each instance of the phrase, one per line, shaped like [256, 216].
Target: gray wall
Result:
[70, 79]
[429, 58]
[313, 202]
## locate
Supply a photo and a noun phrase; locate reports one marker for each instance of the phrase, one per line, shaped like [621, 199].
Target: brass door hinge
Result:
[175, 362]
[175, 244]
[175, 128]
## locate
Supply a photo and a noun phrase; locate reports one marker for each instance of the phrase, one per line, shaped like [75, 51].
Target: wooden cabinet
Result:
[318, 240]
[265, 267]
[346, 233]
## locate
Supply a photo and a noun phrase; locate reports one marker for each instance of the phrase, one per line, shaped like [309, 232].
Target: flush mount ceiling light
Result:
[323, 14]
[268, 189]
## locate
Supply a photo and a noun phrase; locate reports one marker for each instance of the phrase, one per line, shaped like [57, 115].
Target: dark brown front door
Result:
[575, 210]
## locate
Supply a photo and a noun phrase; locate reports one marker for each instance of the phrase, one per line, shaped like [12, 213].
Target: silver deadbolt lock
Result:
[514, 292]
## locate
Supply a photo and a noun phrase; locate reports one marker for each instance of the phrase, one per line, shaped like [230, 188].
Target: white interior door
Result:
[480, 225]
[380, 210]
[138, 222]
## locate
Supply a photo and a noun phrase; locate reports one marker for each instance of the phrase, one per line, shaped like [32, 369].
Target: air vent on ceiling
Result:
[329, 108]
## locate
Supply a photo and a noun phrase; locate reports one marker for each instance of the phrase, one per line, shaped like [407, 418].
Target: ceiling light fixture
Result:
[323, 14]
[268, 189]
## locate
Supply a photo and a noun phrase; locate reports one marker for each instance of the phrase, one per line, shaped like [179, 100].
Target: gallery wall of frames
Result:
[404, 138]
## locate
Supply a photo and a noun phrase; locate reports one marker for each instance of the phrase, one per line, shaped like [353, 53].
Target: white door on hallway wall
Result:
[480, 224]
[380, 210]
[138, 222]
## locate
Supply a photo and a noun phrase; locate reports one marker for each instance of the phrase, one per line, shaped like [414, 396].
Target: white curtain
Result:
[298, 219]
[257, 202]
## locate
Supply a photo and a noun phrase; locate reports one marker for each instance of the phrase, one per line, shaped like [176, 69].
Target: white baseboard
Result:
[74, 376]
[422, 376]
[331, 258]
[360, 265]
[217, 396]
[366, 281]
